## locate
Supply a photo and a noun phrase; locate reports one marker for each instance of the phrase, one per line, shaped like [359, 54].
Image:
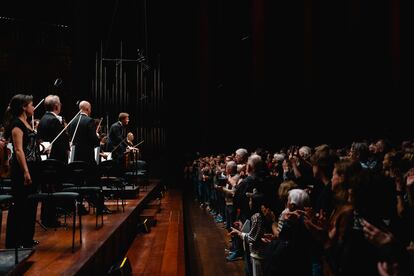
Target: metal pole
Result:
[113, 94]
[141, 103]
[121, 90]
[100, 81]
[93, 88]
[137, 91]
[158, 92]
[104, 87]
[154, 92]
[107, 124]
[145, 27]
[96, 78]
[125, 93]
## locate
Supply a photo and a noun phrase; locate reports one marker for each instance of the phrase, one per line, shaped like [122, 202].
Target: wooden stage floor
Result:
[161, 252]
[53, 256]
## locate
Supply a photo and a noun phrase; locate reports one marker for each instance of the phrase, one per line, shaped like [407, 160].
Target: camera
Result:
[357, 222]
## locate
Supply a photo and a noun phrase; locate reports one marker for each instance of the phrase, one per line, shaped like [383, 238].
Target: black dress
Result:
[22, 215]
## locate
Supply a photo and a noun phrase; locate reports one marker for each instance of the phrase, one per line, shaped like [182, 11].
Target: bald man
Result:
[85, 139]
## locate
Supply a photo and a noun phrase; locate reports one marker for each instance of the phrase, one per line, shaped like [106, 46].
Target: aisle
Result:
[206, 242]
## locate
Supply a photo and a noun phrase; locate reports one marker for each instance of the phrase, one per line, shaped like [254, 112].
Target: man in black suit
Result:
[50, 125]
[85, 139]
[117, 137]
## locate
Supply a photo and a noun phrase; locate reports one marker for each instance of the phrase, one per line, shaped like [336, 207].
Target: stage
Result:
[101, 247]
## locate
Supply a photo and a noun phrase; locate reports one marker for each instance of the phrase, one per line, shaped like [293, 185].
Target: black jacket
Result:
[115, 137]
[85, 138]
[48, 129]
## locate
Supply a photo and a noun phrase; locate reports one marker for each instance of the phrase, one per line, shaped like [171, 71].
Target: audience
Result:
[315, 211]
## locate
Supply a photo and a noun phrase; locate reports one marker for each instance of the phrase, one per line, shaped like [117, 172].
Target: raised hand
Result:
[376, 236]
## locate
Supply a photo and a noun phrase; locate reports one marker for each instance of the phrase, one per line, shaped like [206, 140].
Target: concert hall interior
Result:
[205, 137]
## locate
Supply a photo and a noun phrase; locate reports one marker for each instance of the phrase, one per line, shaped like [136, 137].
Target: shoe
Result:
[55, 224]
[30, 244]
[228, 252]
[82, 210]
[106, 211]
[233, 257]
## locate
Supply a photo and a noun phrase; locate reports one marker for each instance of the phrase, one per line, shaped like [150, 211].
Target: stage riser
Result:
[116, 246]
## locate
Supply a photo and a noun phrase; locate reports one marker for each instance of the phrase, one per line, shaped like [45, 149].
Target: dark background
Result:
[237, 73]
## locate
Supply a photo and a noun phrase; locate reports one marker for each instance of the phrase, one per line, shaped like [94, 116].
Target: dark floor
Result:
[206, 241]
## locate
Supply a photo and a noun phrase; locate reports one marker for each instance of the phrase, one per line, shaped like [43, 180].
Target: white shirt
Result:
[57, 116]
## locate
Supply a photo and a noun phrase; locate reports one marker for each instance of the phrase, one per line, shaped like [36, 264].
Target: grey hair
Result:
[253, 161]
[51, 101]
[305, 151]
[299, 197]
[232, 166]
[279, 157]
[241, 152]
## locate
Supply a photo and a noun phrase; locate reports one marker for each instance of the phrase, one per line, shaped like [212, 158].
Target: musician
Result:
[2, 144]
[103, 146]
[24, 168]
[36, 124]
[130, 139]
[4, 158]
[50, 125]
[131, 152]
[85, 139]
[117, 135]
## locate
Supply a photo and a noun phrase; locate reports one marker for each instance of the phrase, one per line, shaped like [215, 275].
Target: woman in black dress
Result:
[22, 215]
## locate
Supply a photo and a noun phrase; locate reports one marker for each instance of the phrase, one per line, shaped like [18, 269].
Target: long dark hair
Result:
[14, 110]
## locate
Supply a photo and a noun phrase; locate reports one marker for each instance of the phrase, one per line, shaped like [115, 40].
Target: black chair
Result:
[50, 188]
[5, 201]
[142, 173]
[5, 185]
[82, 179]
[110, 174]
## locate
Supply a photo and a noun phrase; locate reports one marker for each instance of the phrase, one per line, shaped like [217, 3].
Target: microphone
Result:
[143, 97]
[58, 82]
